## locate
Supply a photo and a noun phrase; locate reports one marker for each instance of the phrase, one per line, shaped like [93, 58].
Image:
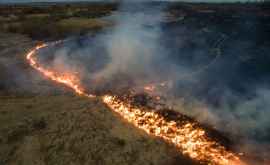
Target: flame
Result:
[189, 139]
[70, 80]
[150, 88]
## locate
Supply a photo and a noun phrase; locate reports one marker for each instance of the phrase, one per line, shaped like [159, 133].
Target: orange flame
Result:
[189, 139]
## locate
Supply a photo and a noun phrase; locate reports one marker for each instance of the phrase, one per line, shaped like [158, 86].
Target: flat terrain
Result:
[45, 123]
[53, 21]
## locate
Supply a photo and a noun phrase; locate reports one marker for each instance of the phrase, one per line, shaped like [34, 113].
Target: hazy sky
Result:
[127, 0]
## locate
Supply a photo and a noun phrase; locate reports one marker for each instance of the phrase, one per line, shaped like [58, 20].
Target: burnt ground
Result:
[44, 123]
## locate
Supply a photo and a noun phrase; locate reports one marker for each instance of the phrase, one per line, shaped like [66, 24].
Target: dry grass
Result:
[46, 26]
[45, 123]
[54, 22]
[75, 24]
[40, 15]
[73, 130]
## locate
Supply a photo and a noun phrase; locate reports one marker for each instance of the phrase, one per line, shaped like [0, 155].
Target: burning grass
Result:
[190, 139]
[82, 23]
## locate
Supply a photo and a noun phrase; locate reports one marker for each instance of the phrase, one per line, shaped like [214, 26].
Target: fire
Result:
[189, 139]
[70, 80]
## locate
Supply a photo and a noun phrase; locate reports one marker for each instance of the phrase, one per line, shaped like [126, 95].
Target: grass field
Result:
[42, 122]
[53, 22]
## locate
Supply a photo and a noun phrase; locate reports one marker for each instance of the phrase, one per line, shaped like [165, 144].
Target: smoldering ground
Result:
[218, 71]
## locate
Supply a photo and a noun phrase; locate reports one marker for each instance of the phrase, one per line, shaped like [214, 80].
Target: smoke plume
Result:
[207, 80]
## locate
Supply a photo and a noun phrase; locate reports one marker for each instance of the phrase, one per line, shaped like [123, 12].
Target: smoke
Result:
[209, 72]
[128, 55]
[133, 46]
[247, 120]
